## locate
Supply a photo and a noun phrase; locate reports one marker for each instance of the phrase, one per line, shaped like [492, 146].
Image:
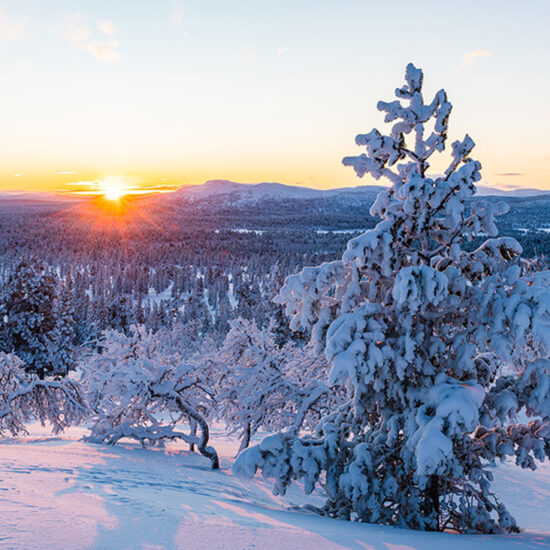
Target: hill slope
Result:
[280, 191]
[61, 493]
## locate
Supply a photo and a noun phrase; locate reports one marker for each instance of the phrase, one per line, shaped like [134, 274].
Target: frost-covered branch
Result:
[25, 398]
[269, 387]
[140, 389]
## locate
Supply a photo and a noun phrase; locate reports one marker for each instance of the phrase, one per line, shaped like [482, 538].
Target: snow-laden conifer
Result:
[430, 332]
[35, 319]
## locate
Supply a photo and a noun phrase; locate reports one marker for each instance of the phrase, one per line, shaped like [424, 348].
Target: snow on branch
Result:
[25, 398]
[264, 386]
[140, 389]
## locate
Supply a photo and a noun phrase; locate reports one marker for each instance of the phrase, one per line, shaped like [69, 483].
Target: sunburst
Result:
[113, 189]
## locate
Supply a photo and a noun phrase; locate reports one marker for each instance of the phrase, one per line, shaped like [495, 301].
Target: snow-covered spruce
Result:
[140, 388]
[25, 398]
[430, 335]
[36, 319]
[264, 386]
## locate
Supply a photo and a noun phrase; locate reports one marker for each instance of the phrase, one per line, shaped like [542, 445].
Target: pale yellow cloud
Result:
[77, 30]
[107, 27]
[470, 57]
[105, 51]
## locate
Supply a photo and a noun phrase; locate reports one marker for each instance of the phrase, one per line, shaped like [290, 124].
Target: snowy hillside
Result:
[28, 201]
[36, 196]
[483, 190]
[246, 192]
[104, 498]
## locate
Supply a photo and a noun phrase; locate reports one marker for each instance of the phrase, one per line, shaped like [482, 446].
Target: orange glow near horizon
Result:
[270, 106]
[117, 181]
[123, 217]
[113, 189]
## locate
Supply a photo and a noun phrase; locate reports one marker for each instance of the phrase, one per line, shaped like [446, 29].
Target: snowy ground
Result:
[61, 493]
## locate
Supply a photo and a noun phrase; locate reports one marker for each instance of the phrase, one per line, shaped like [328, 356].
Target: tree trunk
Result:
[193, 427]
[432, 504]
[193, 415]
[245, 441]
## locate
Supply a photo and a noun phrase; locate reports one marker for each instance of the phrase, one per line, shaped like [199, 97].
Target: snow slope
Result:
[61, 493]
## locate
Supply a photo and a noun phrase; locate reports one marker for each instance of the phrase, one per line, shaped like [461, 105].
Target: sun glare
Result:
[113, 190]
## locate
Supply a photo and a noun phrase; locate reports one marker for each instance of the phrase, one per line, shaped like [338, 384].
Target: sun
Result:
[113, 190]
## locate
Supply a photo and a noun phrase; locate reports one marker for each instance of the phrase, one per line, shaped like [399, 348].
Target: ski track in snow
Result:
[62, 493]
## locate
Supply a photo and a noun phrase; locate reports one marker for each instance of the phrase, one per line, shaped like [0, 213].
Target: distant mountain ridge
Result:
[35, 196]
[251, 192]
[265, 190]
[483, 190]
[259, 190]
[272, 190]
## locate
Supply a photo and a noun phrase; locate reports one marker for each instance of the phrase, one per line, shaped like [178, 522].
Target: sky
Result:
[162, 93]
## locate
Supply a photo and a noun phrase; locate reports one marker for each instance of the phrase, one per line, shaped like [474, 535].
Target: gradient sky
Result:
[162, 92]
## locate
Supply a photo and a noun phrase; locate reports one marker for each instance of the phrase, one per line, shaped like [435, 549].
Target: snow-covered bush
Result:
[264, 386]
[140, 388]
[25, 398]
[428, 332]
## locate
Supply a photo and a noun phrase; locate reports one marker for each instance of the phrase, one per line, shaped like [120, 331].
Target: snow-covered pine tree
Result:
[427, 331]
[35, 322]
[62, 349]
[139, 388]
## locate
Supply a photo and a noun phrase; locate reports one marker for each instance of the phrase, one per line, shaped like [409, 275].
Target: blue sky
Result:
[166, 92]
